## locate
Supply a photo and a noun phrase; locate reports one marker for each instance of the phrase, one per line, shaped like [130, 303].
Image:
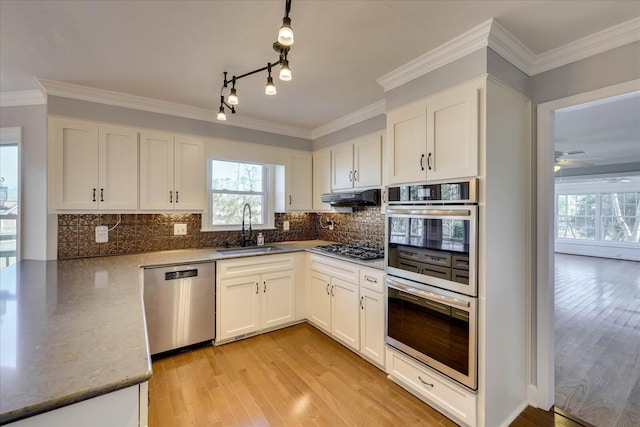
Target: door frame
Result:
[13, 136]
[544, 298]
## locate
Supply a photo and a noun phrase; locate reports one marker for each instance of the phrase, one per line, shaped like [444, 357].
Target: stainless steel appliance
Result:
[436, 327]
[353, 198]
[350, 250]
[179, 303]
[432, 234]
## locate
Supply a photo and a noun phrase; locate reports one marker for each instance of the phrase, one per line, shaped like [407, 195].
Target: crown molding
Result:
[510, 48]
[119, 99]
[357, 116]
[22, 98]
[461, 46]
[602, 41]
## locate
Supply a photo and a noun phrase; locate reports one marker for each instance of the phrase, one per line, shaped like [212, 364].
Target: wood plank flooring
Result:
[292, 377]
[597, 339]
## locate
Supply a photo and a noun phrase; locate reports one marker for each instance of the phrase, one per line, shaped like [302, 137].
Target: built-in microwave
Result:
[432, 235]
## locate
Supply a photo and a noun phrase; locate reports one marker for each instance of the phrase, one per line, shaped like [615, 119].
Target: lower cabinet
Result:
[443, 394]
[248, 301]
[372, 325]
[127, 407]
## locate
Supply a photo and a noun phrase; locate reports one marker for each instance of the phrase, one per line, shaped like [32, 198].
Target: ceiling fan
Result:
[562, 160]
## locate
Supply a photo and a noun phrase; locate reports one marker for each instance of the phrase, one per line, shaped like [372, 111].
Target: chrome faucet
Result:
[243, 239]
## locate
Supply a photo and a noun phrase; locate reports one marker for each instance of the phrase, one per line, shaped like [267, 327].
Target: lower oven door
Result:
[436, 327]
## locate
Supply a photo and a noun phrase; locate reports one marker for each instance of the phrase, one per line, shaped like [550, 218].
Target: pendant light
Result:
[282, 47]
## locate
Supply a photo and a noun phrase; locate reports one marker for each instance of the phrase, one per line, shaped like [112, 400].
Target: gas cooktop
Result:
[350, 250]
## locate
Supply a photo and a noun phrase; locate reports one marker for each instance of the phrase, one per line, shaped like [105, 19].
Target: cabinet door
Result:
[189, 174]
[367, 161]
[239, 306]
[76, 163]
[156, 171]
[278, 298]
[452, 133]
[406, 144]
[299, 185]
[345, 316]
[342, 167]
[372, 325]
[118, 168]
[319, 300]
[321, 179]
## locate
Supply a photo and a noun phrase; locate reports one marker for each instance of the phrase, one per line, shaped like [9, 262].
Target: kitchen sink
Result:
[249, 250]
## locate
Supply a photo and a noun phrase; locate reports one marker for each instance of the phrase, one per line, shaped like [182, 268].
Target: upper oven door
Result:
[434, 245]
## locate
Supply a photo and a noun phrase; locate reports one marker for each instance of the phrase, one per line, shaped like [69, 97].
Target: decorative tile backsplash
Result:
[138, 233]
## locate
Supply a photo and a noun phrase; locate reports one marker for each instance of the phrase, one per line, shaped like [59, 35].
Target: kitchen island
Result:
[75, 329]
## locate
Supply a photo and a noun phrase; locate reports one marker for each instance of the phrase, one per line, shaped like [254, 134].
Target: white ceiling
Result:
[177, 50]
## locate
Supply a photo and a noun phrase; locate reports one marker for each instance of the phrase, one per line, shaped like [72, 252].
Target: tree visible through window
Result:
[233, 184]
[621, 217]
[576, 218]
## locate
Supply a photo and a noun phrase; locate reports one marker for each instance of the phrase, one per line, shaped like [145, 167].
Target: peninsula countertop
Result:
[74, 329]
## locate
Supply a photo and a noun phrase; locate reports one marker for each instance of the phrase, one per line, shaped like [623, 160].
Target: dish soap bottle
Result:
[260, 241]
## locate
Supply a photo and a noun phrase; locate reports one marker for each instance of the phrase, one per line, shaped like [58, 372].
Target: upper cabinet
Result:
[321, 179]
[171, 172]
[95, 167]
[357, 163]
[298, 184]
[435, 138]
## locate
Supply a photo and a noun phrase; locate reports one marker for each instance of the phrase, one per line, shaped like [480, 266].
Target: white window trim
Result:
[269, 196]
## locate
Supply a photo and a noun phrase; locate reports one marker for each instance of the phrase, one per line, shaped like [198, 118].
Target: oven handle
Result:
[428, 295]
[430, 212]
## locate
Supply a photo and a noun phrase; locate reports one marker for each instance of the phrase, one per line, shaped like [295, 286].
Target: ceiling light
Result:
[221, 114]
[282, 46]
[285, 34]
[285, 71]
[556, 168]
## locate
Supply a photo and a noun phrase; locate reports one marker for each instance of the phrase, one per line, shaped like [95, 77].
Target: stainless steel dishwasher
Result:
[179, 304]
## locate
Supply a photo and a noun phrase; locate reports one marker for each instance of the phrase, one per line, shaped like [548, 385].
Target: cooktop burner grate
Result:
[352, 251]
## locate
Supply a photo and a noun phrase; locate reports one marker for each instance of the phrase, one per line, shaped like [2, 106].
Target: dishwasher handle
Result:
[184, 274]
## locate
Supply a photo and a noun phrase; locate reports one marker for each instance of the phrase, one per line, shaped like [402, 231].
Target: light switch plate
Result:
[285, 226]
[179, 229]
[102, 234]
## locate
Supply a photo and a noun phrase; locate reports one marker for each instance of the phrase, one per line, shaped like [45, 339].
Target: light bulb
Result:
[221, 115]
[270, 88]
[233, 97]
[285, 71]
[556, 168]
[285, 34]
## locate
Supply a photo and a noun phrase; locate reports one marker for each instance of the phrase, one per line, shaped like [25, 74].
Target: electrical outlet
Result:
[285, 226]
[102, 234]
[331, 225]
[179, 229]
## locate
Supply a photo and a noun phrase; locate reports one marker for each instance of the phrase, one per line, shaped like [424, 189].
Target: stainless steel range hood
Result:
[353, 198]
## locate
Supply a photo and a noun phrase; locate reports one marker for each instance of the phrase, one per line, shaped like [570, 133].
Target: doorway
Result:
[9, 196]
[584, 224]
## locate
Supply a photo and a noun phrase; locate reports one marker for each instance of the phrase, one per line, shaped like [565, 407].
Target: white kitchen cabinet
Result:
[333, 299]
[321, 179]
[95, 166]
[372, 314]
[357, 163]
[299, 185]
[254, 294]
[437, 137]
[171, 172]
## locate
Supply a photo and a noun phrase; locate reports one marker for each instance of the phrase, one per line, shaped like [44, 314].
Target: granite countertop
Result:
[74, 329]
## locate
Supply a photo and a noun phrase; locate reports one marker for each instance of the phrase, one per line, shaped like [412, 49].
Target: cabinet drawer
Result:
[340, 269]
[372, 279]
[444, 395]
[241, 267]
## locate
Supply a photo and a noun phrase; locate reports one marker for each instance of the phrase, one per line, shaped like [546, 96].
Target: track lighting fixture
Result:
[282, 46]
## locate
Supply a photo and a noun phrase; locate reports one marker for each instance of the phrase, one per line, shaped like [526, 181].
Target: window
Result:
[621, 217]
[9, 206]
[576, 217]
[232, 185]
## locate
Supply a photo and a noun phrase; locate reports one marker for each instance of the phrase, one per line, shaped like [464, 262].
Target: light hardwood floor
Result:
[597, 339]
[292, 377]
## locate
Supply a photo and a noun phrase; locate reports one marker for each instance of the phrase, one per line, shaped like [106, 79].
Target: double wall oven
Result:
[431, 264]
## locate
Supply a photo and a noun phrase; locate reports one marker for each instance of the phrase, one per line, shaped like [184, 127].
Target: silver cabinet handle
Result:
[424, 382]
[350, 176]
[355, 176]
[370, 280]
